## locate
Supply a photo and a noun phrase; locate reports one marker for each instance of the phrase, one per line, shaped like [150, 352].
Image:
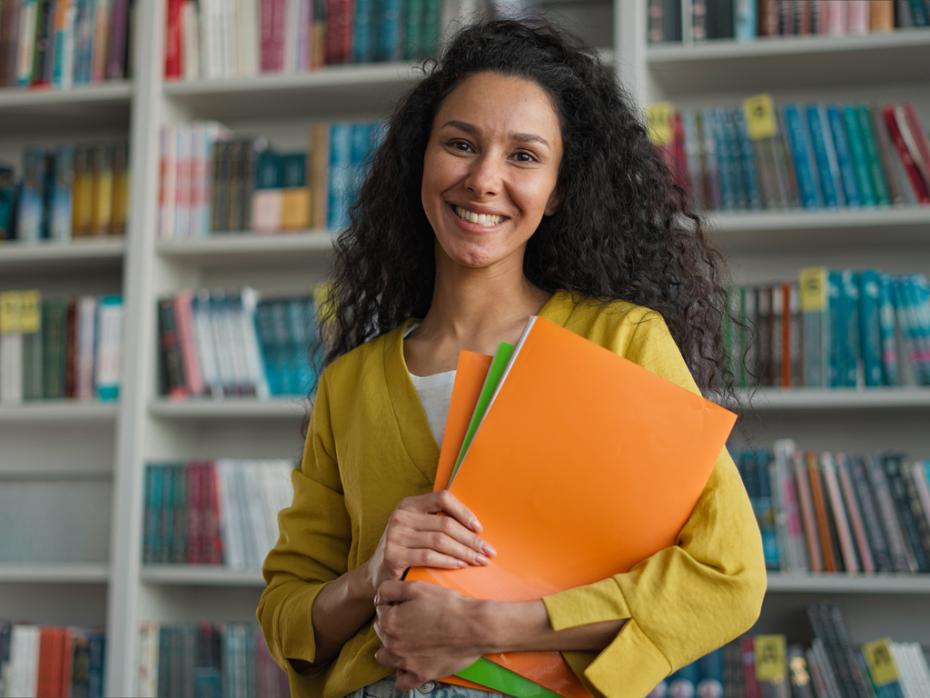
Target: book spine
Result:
[869, 327]
[827, 167]
[859, 156]
[800, 151]
[854, 515]
[878, 542]
[876, 175]
[918, 186]
[840, 518]
[892, 465]
[900, 554]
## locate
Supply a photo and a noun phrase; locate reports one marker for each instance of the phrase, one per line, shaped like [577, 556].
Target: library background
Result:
[171, 174]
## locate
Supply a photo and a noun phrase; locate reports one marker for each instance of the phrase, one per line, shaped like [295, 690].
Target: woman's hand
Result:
[427, 631]
[416, 535]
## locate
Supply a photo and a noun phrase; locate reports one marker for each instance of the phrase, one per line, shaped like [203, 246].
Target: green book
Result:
[877, 177]
[412, 43]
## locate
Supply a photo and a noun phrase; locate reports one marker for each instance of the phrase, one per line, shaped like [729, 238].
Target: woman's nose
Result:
[484, 177]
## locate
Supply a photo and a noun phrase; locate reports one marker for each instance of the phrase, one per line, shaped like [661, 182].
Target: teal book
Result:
[873, 159]
[886, 329]
[870, 335]
[859, 155]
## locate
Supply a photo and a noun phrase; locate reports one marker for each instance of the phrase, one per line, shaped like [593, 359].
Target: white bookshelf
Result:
[112, 442]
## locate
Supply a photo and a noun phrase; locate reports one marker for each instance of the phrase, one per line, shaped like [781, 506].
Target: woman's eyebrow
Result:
[474, 130]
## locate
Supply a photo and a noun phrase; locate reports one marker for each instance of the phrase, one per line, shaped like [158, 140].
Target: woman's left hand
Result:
[427, 631]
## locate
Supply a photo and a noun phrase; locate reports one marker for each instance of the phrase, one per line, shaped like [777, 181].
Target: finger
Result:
[394, 591]
[387, 658]
[449, 538]
[444, 502]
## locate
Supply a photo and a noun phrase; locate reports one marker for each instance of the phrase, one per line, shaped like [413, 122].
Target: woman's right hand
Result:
[417, 535]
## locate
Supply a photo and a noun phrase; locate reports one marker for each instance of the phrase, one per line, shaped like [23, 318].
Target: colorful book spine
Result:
[799, 144]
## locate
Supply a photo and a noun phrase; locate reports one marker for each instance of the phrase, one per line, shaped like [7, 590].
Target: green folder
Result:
[484, 671]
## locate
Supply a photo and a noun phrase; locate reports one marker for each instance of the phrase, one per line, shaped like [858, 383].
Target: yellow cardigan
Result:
[369, 445]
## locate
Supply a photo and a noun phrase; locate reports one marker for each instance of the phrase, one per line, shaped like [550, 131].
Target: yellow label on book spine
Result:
[9, 312]
[760, 117]
[881, 663]
[770, 658]
[813, 286]
[29, 312]
[659, 118]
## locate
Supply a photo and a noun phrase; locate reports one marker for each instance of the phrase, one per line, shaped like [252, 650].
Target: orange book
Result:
[607, 460]
[820, 509]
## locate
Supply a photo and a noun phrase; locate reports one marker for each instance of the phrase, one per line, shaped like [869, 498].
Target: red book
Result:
[51, 647]
[174, 60]
[748, 651]
[920, 140]
[67, 662]
[71, 350]
[184, 321]
[339, 15]
[212, 526]
[913, 174]
[785, 320]
[272, 19]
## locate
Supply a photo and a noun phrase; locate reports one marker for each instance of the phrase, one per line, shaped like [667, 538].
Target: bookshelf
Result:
[112, 442]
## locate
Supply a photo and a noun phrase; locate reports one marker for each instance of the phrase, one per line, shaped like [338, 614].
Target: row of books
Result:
[833, 328]
[50, 661]
[748, 20]
[215, 343]
[811, 156]
[242, 39]
[214, 181]
[220, 512]
[207, 659]
[832, 666]
[58, 348]
[61, 43]
[839, 512]
[67, 192]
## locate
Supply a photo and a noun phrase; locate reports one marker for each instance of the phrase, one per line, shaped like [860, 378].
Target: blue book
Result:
[340, 154]
[745, 11]
[270, 362]
[734, 158]
[915, 288]
[859, 156]
[360, 149]
[920, 14]
[852, 358]
[886, 327]
[60, 185]
[870, 339]
[9, 190]
[363, 32]
[711, 161]
[97, 643]
[799, 146]
[837, 327]
[31, 196]
[725, 161]
[844, 156]
[388, 30]
[748, 160]
[827, 167]
[766, 511]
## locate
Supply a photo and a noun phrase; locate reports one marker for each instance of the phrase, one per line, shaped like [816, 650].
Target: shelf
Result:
[97, 106]
[18, 573]
[790, 62]
[235, 249]
[201, 575]
[77, 255]
[906, 227]
[229, 408]
[799, 399]
[331, 91]
[58, 411]
[849, 584]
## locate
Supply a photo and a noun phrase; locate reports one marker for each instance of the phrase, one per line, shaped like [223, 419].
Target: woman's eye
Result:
[462, 146]
[524, 156]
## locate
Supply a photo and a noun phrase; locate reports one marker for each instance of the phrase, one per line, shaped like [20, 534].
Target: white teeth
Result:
[483, 219]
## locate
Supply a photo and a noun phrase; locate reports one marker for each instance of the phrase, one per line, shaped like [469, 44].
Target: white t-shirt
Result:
[435, 393]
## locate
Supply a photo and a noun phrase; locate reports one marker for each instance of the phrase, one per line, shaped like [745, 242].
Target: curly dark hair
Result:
[624, 229]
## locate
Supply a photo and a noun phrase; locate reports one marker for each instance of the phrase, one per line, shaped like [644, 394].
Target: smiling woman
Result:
[515, 179]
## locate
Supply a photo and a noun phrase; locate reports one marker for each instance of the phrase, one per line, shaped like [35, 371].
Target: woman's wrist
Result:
[510, 626]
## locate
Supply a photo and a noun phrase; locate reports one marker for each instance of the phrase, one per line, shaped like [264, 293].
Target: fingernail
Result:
[488, 550]
[461, 563]
[482, 560]
[475, 525]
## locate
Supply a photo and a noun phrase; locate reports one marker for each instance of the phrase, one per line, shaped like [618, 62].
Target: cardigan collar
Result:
[412, 422]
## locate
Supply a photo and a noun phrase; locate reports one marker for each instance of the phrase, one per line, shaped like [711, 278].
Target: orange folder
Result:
[585, 464]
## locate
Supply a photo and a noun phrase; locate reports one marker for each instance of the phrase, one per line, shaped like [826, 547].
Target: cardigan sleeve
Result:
[312, 547]
[684, 600]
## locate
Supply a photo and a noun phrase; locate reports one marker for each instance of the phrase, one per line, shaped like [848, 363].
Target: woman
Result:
[514, 180]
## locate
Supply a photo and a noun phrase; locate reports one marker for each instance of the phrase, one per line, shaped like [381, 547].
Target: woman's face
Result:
[490, 169]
